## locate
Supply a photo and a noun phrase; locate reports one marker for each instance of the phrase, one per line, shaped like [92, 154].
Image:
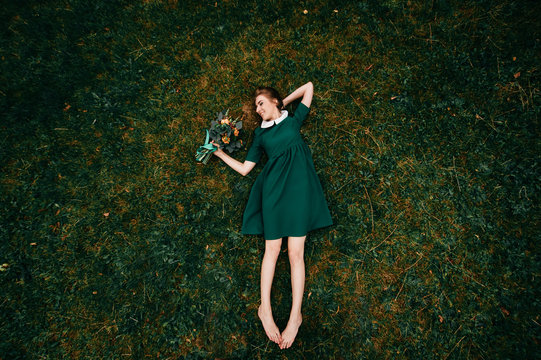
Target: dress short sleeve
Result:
[300, 113]
[254, 154]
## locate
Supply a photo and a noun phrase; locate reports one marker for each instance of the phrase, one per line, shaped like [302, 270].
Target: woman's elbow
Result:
[246, 168]
[245, 171]
[309, 88]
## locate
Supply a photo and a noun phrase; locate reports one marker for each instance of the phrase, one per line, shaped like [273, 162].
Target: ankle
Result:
[266, 308]
[295, 316]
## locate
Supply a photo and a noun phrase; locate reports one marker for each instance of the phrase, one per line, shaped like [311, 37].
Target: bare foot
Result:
[290, 332]
[268, 324]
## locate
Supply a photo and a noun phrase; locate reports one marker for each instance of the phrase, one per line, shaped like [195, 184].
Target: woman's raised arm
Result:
[306, 92]
[241, 168]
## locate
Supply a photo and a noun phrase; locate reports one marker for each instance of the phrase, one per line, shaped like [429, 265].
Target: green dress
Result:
[286, 198]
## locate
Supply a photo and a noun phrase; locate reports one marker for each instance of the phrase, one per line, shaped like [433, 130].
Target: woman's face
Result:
[266, 108]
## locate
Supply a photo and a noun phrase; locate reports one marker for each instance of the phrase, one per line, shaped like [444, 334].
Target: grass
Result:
[425, 135]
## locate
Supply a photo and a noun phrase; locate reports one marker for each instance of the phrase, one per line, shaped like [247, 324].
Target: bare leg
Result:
[272, 250]
[296, 260]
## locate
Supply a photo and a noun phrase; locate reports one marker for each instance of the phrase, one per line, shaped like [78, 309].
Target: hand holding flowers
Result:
[225, 134]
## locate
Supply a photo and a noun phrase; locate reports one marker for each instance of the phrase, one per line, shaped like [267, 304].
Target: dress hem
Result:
[279, 237]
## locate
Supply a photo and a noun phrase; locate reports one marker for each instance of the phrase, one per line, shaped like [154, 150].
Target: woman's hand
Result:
[218, 150]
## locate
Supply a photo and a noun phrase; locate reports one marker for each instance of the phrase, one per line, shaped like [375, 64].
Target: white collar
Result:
[268, 124]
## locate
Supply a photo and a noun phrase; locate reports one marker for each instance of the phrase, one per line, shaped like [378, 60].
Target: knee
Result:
[272, 248]
[296, 256]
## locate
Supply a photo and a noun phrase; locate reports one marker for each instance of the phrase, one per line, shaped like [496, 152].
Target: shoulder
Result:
[301, 111]
[302, 107]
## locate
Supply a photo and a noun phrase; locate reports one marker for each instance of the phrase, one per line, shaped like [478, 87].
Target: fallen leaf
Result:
[517, 75]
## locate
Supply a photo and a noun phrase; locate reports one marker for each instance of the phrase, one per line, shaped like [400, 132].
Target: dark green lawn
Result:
[424, 129]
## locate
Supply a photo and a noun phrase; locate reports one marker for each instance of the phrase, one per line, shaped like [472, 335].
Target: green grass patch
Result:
[425, 134]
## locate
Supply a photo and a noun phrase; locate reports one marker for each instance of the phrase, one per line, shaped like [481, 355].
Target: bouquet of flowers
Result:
[225, 131]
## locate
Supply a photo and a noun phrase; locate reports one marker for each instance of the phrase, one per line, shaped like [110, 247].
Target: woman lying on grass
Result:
[286, 199]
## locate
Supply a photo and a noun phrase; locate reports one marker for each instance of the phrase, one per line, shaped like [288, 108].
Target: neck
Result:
[276, 115]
